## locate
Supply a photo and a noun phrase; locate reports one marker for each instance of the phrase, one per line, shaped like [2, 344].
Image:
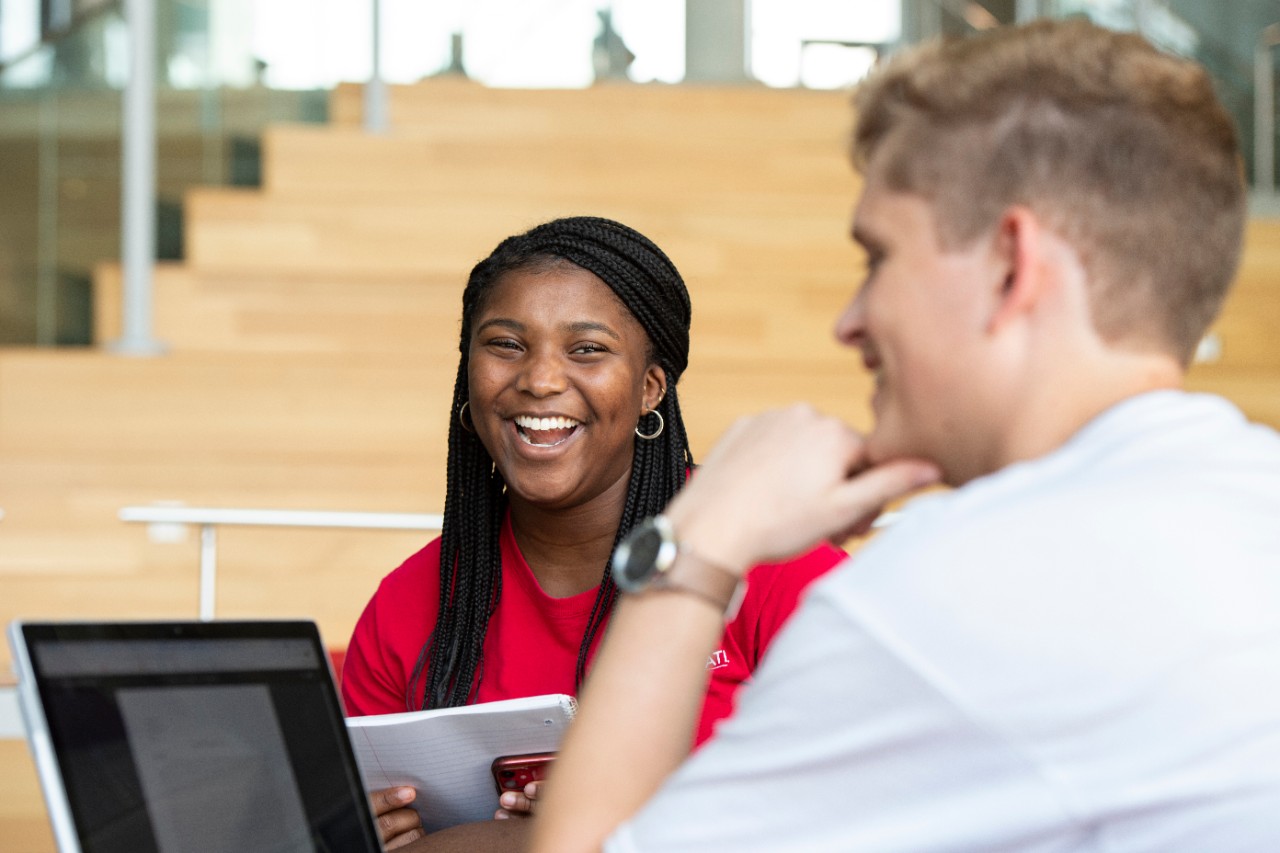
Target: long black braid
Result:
[640, 274]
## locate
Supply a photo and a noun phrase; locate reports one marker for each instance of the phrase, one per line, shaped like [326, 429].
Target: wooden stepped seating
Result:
[412, 163]
[412, 316]
[430, 214]
[84, 434]
[237, 230]
[448, 106]
[417, 317]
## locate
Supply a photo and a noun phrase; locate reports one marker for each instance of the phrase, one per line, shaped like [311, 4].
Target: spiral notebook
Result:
[447, 753]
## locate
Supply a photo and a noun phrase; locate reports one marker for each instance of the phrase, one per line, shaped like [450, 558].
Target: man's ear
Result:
[1017, 252]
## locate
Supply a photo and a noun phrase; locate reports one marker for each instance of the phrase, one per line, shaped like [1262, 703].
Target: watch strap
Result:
[693, 574]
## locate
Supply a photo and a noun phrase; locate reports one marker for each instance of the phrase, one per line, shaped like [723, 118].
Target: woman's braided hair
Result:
[451, 663]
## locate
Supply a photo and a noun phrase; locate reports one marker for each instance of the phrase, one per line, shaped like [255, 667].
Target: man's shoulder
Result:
[1164, 447]
[1167, 482]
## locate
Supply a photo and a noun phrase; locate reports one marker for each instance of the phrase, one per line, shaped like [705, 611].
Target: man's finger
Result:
[860, 499]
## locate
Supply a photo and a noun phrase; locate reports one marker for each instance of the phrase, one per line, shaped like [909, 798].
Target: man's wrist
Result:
[653, 558]
[706, 540]
[691, 574]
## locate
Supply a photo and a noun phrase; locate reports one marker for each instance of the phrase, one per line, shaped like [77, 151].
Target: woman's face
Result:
[558, 379]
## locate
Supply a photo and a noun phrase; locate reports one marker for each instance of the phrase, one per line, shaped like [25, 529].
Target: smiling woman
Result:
[560, 374]
[565, 433]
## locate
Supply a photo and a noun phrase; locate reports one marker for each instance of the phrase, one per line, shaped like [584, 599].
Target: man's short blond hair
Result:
[1125, 151]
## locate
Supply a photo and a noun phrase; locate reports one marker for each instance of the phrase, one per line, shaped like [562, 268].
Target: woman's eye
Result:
[588, 348]
[504, 343]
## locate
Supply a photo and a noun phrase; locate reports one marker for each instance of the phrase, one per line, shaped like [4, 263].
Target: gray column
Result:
[1264, 110]
[375, 91]
[138, 183]
[1029, 10]
[715, 41]
[921, 20]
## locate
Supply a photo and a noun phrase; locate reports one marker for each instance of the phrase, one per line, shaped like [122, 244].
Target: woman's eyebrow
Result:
[590, 326]
[503, 322]
[575, 328]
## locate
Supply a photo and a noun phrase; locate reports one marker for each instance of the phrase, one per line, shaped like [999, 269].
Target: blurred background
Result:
[234, 234]
[225, 69]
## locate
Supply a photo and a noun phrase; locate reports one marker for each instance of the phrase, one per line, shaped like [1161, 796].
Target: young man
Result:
[1077, 648]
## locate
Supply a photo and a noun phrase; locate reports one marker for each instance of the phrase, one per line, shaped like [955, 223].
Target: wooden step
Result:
[401, 317]
[303, 157]
[449, 106]
[244, 230]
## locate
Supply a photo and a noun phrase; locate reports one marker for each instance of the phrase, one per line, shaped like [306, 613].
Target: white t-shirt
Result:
[1080, 652]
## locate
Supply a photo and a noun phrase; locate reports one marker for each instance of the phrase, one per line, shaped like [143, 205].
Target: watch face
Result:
[638, 555]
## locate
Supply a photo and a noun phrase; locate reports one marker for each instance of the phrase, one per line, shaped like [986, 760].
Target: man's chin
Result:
[885, 446]
[882, 446]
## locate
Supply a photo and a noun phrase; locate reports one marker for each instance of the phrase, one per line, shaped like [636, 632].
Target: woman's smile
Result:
[545, 431]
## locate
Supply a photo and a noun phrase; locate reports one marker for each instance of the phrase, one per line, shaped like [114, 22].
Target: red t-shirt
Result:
[531, 647]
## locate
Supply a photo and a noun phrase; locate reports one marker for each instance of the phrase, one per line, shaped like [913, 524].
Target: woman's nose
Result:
[543, 375]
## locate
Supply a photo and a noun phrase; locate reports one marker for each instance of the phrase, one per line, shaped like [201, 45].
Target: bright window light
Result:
[799, 42]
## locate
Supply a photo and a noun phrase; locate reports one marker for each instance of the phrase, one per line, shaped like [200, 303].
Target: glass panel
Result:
[60, 113]
[821, 44]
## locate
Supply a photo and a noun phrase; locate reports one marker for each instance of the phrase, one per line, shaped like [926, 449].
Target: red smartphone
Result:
[513, 772]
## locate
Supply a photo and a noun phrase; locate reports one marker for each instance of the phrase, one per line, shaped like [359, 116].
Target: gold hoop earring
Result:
[657, 432]
[462, 419]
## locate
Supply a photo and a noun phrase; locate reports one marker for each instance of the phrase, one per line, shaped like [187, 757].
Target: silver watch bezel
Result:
[636, 580]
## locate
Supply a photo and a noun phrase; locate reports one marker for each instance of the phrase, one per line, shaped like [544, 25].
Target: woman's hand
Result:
[397, 822]
[518, 803]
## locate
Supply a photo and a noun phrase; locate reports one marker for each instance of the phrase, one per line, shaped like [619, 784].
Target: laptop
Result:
[218, 737]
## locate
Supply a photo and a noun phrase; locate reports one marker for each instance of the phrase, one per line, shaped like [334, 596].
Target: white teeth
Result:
[544, 423]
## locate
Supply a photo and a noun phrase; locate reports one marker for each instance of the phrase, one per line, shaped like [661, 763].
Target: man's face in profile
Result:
[919, 320]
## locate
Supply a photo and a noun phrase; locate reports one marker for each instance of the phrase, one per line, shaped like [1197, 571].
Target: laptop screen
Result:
[219, 736]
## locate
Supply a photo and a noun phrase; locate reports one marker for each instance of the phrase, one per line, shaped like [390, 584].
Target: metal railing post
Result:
[208, 571]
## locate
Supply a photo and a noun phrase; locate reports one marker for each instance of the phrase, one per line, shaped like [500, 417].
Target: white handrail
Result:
[282, 517]
[209, 518]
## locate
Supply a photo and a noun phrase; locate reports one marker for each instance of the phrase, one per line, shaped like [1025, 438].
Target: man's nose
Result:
[851, 324]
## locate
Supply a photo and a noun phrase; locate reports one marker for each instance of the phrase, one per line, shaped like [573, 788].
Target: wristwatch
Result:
[646, 559]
